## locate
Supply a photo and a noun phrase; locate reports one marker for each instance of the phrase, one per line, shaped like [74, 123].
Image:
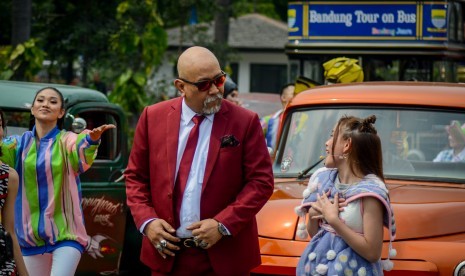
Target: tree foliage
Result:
[22, 62]
[21, 21]
[123, 39]
[75, 30]
[276, 9]
[138, 45]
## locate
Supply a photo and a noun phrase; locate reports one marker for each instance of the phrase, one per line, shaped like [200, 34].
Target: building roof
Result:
[250, 31]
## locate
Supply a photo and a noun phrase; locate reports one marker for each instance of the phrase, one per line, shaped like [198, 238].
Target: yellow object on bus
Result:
[342, 70]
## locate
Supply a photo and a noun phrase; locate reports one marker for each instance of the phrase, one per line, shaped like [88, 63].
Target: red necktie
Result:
[185, 166]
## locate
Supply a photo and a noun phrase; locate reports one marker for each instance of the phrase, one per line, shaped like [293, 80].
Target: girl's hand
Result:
[314, 214]
[329, 209]
[96, 133]
[342, 203]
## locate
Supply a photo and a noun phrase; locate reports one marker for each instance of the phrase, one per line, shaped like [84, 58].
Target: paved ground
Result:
[262, 103]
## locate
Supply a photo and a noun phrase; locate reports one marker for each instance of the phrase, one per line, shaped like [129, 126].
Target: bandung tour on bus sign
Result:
[374, 21]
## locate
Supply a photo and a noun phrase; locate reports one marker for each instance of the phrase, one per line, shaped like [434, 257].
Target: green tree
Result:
[21, 21]
[75, 30]
[179, 13]
[137, 47]
[265, 7]
[21, 62]
[218, 12]
[222, 31]
[280, 6]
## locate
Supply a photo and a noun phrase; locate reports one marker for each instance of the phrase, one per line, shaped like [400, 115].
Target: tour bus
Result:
[392, 40]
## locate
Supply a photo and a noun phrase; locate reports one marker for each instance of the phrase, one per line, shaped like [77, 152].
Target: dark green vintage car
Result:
[104, 203]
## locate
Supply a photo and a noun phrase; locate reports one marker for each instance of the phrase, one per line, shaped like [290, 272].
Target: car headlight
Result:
[460, 269]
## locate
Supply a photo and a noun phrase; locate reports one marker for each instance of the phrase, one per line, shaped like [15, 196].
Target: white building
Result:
[261, 66]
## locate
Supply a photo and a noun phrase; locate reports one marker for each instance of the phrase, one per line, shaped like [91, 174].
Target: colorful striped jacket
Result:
[48, 206]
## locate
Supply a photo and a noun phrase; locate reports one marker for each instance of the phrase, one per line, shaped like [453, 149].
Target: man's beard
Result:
[213, 109]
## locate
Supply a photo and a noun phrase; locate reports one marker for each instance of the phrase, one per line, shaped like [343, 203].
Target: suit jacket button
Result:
[170, 196]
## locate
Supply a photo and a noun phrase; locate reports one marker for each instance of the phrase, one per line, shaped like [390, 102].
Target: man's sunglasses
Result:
[205, 85]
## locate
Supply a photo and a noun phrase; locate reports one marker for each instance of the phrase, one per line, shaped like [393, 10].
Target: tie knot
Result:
[197, 119]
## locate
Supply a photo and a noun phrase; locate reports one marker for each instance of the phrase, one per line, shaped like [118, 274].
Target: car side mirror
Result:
[79, 124]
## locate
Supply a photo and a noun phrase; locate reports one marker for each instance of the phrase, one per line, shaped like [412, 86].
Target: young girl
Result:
[9, 265]
[347, 242]
[48, 218]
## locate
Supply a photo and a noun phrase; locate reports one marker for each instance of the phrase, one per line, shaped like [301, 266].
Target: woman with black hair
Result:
[49, 221]
[230, 91]
[11, 259]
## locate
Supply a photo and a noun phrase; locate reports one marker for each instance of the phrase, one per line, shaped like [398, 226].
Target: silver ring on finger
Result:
[203, 244]
[163, 243]
[159, 247]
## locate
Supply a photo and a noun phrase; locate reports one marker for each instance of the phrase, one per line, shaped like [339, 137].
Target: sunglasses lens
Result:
[203, 85]
[219, 81]
[207, 84]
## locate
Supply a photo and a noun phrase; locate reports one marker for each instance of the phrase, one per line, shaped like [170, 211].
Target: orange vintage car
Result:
[427, 190]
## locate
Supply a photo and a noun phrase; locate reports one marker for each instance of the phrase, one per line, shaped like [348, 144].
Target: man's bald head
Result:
[199, 65]
[194, 60]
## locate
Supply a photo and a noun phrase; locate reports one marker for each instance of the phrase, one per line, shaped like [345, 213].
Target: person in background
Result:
[270, 123]
[456, 137]
[395, 151]
[98, 84]
[76, 81]
[230, 91]
[347, 236]
[49, 222]
[198, 173]
[10, 264]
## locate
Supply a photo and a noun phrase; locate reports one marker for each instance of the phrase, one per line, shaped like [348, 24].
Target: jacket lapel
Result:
[172, 135]
[220, 122]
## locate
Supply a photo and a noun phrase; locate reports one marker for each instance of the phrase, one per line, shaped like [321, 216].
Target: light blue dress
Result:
[327, 253]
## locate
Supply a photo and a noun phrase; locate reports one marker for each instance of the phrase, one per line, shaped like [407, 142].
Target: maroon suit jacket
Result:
[237, 182]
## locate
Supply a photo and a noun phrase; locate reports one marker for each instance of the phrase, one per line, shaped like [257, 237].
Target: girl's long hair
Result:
[366, 154]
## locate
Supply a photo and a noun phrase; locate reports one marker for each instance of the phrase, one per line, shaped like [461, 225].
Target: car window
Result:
[411, 141]
[108, 149]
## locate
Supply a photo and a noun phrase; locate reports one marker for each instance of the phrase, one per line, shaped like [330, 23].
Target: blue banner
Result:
[409, 21]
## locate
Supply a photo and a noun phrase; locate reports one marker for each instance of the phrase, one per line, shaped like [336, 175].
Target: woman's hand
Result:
[96, 133]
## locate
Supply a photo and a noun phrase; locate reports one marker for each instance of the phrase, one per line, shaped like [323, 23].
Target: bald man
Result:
[195, 199]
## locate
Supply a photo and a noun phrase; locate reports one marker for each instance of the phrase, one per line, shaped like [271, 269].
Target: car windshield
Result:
[417, 144]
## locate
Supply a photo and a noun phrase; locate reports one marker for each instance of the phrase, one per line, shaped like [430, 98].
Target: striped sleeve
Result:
[81, 150]
[9, 147]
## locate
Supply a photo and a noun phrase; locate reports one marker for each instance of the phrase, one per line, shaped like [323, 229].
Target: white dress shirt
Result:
[190, 205]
